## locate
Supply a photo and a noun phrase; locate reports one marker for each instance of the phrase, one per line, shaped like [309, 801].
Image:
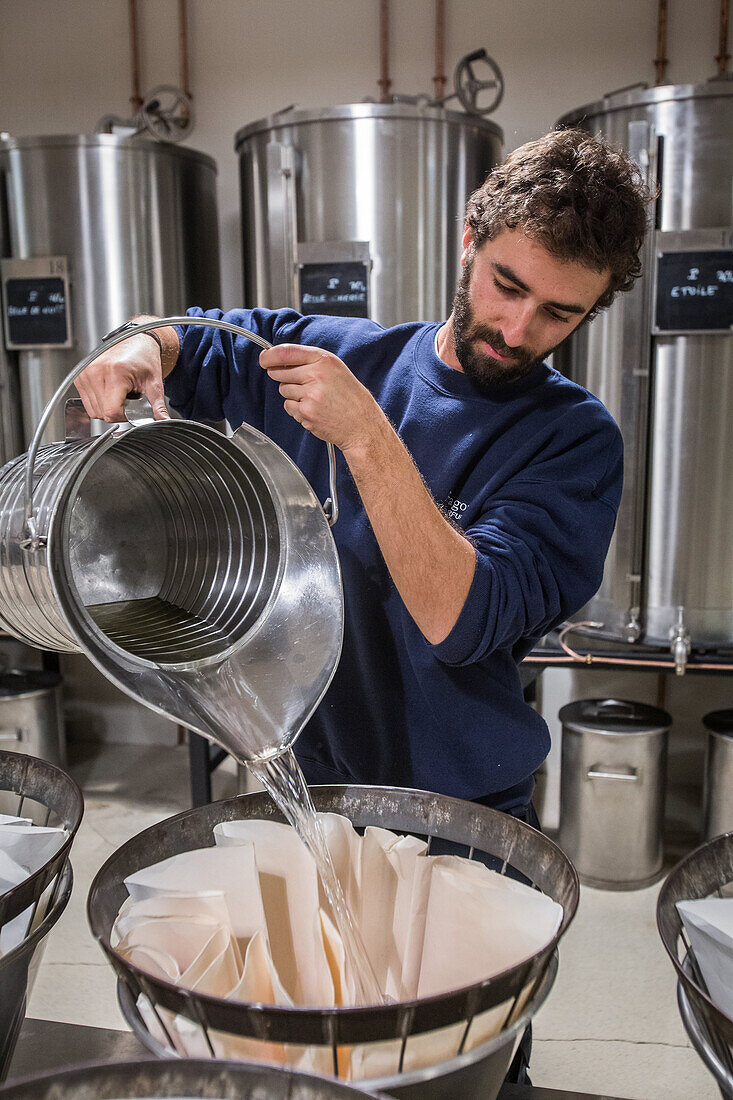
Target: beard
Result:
[477, 364]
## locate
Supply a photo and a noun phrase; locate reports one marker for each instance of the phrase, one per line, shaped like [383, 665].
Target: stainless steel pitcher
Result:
[195, 571]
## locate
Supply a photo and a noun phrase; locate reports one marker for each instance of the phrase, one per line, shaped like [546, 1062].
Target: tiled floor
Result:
[610, 1025]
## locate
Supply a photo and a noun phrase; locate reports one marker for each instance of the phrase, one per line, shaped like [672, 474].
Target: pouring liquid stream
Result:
[285, 783]
[236, 720]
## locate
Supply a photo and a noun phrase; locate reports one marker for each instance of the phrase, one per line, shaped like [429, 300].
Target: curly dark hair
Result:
[581, 198]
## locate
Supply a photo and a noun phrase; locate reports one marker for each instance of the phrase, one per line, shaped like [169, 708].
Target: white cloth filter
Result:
[709, 924]
[24, 848]
[246, 920]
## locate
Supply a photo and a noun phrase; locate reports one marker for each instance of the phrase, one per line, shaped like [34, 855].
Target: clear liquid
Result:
[285, 782]
[236, 720]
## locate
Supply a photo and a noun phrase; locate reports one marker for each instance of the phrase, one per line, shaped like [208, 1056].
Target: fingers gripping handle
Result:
[132, 328]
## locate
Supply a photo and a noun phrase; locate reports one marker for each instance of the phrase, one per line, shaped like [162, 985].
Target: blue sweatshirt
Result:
[530, 471]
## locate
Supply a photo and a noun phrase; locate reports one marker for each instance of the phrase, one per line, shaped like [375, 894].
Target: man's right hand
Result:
[134, 365]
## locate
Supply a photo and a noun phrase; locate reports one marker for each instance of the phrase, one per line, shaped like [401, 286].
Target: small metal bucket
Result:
[164, 545]
[614, 758]
[717, 800]
[32, 714]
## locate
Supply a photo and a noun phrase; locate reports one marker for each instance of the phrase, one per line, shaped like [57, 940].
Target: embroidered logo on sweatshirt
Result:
[455, 508]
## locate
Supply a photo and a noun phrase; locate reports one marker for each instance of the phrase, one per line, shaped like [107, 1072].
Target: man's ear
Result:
[466, 242]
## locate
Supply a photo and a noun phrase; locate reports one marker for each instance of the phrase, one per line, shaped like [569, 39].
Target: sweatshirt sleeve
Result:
[217, 375]
[540, 545]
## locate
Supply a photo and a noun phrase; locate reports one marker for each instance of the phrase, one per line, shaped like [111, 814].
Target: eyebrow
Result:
[507, 273]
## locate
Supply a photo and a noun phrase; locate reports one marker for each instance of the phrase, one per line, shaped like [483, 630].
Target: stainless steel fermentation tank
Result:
[11, 426]
[661, 359]
[359, 209]
[98, 228]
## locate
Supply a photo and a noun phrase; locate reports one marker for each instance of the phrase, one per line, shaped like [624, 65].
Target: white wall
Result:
[65, 63]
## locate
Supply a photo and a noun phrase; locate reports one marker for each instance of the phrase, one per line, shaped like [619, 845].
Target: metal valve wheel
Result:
[167, 113]
[468, 86]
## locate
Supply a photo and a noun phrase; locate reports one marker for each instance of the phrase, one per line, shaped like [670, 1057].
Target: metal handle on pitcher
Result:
[132, 328]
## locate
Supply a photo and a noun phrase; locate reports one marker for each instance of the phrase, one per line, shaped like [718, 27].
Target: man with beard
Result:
[478, 488]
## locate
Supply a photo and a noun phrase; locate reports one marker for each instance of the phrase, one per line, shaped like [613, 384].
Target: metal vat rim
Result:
[661, 93]
[354, 111]
[111, 141]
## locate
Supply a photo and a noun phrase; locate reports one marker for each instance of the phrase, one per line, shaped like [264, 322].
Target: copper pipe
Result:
[183, 46]
[135, 99]
[439, 80]
[384, 81]
[661, 60]
[723, 56]
[590, 659]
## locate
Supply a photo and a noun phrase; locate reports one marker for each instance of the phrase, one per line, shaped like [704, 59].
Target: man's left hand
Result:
[322, 394]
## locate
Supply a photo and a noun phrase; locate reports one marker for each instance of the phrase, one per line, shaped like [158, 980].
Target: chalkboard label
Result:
[694, 291]
[36, 311]
[340, 289]
[36, 302]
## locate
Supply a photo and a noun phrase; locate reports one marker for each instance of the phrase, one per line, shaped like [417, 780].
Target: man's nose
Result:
[517, 325]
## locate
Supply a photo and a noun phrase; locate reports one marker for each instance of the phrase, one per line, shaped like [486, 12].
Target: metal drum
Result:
[32, 714]
[661, 359]
[614, 756]
[370, 195]
[183, 563]
[131, 226]
[718, 785]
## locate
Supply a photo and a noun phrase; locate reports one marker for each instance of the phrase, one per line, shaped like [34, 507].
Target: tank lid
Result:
[114, 141]
[16, 682]
[293, 117]
[719, 721]
[639, 95]
[614, 716]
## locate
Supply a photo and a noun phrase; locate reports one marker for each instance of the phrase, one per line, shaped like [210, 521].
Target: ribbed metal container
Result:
[28, 608]
[162, 537]
[185, 564]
